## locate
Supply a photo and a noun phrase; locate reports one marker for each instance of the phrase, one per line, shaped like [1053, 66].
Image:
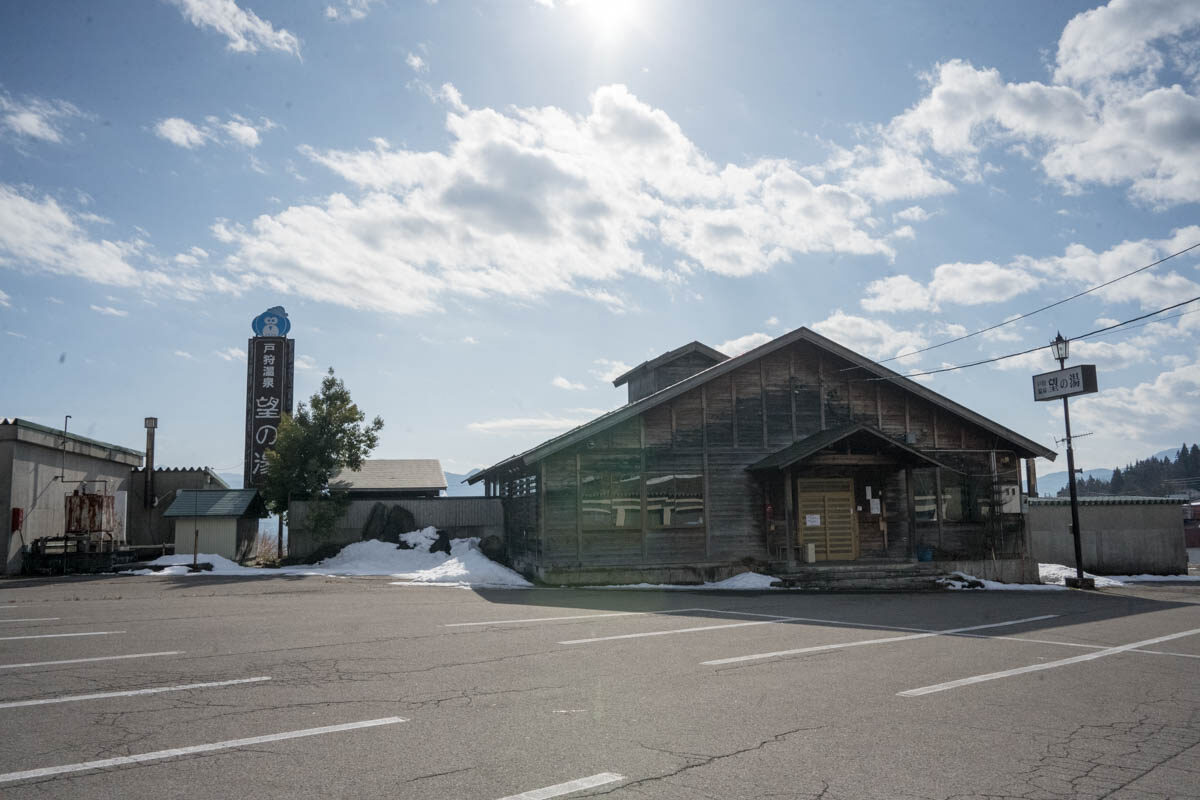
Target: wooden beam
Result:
[762, 397]
[907, 417]
[1031, 477]
[821, 386]
[541, 510]
[841, 459]
[733, 403]
[938, 503]
[792, 386]
[910, 490]
[789, 514]
[878, 406]
[704, 470]
[578, 511]
[642, 516]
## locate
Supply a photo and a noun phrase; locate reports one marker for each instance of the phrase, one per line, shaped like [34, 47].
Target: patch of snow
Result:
[1055, 573]
[746, 581]
[961, 580]
[465, 566]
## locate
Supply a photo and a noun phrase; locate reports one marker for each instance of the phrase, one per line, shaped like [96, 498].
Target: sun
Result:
[610, 21]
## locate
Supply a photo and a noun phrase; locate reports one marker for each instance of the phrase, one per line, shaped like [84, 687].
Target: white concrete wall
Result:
[218, 536]
[1126, 539]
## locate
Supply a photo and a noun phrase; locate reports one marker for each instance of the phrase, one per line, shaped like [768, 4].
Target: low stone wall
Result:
[1004, 570]
[1132, 537]
[460, 517]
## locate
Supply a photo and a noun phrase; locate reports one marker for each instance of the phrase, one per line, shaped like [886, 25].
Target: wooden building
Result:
[797, 449]
[221, 522]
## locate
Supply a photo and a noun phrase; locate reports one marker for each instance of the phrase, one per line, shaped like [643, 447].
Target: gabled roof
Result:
[404, 474]
[810, 445]
[666, 358]
[216, 503]
[1027, 447]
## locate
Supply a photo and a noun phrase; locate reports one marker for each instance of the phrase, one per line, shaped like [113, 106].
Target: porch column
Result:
[789, 515]
[1031, 477]
[910, 492]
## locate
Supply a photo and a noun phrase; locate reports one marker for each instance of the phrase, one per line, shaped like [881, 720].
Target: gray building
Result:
[148, 525]
[39, 466]
[223, 521]
[392, 479]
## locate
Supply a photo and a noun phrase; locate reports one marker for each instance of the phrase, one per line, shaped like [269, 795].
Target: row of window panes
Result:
[614, 500]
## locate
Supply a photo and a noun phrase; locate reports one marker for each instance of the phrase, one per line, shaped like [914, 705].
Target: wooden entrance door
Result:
[825, 518]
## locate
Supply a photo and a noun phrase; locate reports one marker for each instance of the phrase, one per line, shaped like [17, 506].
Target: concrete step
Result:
[863, 576]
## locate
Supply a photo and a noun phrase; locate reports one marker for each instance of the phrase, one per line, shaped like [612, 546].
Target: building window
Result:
[610, 499]
[674, 500]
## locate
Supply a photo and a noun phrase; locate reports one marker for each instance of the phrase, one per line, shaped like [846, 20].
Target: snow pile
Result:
[746, 581]
[1054, 577]
[1054, 573]
[961, 580]
[465, 566]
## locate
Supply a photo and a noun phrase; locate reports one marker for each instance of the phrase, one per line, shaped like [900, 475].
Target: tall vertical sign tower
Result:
[269, 371]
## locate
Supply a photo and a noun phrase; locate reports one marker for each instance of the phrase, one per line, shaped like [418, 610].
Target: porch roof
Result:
[810, 446]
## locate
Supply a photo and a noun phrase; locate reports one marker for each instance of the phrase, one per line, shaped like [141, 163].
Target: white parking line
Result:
[1007, 673]
[74, 698]
[771, 620]
[886, 640]
[31, 619]
[176, 752]
[559, 789]
[573, 616]
[56, 635]
[1073, 644]
[85, 660]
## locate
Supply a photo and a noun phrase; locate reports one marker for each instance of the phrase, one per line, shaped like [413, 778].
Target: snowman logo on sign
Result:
[272, 322]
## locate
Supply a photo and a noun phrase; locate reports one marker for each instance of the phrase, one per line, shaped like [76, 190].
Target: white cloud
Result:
[306, 362]
[743, 344]
[242, 132]
[903, 232]
[608, 371]
[349, 10]
[4, 298]
[771, 322]
[109, 311]
[897, 293]
[522, 425]
[470, 340]
[232, 354]
[1119, 40]
[872, 338]
[911, 214]
[180, 132]
[185, 355]
[416, 63]
[236, 130]
[1164, 408]
[245, 30]
[40, 235]
[55, 300]
[562, 383]
[16, 335]
[36, 118]
[533, 201]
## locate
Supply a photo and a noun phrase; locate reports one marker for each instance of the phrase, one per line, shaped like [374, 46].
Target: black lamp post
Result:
[1061, 350]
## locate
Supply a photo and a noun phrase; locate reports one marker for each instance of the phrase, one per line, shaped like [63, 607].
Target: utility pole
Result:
[1061, 350]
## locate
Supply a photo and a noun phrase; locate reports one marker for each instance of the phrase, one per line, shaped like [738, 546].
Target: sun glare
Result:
[610, 21]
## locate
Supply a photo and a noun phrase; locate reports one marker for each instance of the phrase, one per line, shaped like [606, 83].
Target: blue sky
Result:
[479, 212]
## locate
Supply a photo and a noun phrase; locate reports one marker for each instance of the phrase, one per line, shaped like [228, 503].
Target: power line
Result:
[1151, 322]
[1025, 352]
[1037, 310]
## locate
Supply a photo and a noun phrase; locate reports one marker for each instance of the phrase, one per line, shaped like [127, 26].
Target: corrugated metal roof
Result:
[214, 503]
[408, 474]
[1109, 500]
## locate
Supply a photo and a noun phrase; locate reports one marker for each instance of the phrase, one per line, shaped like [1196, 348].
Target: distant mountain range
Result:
[456, 488]
[1050, 483]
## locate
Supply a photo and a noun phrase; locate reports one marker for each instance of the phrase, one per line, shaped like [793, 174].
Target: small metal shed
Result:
[221, 522]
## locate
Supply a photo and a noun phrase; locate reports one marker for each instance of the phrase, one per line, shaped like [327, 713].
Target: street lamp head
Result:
[1061, 347]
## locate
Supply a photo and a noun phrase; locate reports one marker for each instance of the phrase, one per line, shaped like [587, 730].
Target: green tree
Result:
[327, 435]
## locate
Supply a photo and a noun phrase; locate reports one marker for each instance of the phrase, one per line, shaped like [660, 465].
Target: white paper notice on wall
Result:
[868, 492]
[875, 505]
[812, 520]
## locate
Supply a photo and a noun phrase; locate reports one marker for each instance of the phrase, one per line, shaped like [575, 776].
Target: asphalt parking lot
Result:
[326, 687]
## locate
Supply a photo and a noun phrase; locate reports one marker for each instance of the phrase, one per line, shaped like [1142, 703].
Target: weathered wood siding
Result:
[716, 430]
